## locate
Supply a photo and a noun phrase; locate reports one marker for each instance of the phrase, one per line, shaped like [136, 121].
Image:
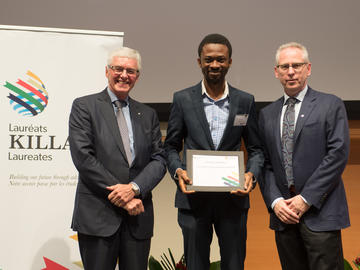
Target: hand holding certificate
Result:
[184, 180]
[216, 171]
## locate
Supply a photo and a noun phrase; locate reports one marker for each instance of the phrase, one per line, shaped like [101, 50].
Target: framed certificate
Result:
[215, 171]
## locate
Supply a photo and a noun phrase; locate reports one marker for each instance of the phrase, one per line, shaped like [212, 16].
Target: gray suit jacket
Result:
[98, 154]
[321, 147]
[188, 123]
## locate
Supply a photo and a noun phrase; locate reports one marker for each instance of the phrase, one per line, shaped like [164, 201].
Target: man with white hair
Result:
[306, 139]
[116, 146]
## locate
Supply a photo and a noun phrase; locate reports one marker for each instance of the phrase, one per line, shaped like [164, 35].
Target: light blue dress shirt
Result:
[217, 113]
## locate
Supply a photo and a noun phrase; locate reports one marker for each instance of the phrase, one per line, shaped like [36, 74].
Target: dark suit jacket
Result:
[188, 122]
[98, 154]
[321, 147]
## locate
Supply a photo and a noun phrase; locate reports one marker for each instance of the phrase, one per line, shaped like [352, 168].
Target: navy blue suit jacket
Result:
[188, 129]
[321, 147]
[98, 154]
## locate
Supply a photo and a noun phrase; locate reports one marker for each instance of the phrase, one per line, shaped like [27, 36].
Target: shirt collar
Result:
[300, 96]
[113, 97]
[226, 90]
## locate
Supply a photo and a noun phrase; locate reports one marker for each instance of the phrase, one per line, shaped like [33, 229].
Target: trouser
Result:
[300, 248]
[103, 252]
[230, 227]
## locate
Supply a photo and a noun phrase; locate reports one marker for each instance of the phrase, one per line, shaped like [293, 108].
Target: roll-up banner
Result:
[42, 70]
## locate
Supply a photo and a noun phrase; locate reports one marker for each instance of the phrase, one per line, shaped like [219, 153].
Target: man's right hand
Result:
[285, 214]
[184, 180]
[120, 194]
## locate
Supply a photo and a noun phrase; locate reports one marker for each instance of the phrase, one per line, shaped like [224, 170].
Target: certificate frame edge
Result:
[189, 168]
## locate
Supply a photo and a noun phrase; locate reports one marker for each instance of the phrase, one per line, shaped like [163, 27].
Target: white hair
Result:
[125, 52]
[292, 45]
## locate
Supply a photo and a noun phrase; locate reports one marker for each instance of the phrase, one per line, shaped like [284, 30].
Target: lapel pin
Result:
[302, 115]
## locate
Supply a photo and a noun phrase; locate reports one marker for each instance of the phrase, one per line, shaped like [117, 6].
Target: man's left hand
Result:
[248, 185]
[120, 194]
[298, 205]
[134, 207]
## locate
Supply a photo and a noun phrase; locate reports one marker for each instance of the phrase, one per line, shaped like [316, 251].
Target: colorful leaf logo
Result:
[28, 97]
[232, 181]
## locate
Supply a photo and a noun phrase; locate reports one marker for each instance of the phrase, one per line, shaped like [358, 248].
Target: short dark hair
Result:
[215, 38]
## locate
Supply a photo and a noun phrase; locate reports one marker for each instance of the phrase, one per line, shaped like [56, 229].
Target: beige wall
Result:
[167, 34]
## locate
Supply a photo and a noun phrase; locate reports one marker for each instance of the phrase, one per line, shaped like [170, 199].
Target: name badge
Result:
[240, 119]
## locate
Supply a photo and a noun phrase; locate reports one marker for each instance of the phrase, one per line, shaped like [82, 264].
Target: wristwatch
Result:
[135, 188]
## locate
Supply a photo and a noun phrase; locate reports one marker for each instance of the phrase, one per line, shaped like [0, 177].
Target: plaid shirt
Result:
[217, 113]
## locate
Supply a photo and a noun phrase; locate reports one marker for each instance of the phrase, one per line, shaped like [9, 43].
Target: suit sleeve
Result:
[155, 170]
[253, 145]
[267, 181]
[328, 174]
[81, 139]
[174, 138]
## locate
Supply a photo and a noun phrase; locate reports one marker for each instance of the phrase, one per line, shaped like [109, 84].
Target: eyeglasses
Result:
[295, 66]
[120, 70]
